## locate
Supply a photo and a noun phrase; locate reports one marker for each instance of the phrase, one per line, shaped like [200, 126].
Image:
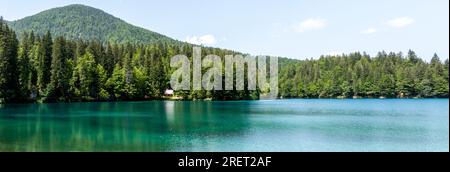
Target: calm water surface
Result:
[281, 125]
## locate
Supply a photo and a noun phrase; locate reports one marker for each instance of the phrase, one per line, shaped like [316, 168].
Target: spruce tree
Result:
[60, 73]
[8, 64]
[45, 59]
[24, 66]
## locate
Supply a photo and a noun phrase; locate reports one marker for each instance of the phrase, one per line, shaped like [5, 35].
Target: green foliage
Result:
[121, 62]
[8, 64]
[116, 83]
[60, 72]
[83, 22]
[102, 79]
[83, 76]
[359, 75]
[24, 67]
[44, 64]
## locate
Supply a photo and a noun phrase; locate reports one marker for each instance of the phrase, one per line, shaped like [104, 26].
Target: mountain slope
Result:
[80, 21]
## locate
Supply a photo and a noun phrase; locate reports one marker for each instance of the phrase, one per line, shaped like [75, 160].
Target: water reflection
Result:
[287, 125]
[121, 126]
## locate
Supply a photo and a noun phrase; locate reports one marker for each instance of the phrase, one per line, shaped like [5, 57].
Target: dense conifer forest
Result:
[130, 63]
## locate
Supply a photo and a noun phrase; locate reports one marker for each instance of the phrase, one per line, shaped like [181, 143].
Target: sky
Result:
[289, 28]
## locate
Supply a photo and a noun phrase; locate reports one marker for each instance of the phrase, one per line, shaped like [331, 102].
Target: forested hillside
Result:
[109, 60]
[43, 68]
[359, 75]
[87, 23]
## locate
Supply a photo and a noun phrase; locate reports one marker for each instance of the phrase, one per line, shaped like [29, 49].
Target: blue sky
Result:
[291, 28]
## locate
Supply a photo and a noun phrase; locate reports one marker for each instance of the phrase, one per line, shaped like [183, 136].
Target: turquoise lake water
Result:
[280, 125]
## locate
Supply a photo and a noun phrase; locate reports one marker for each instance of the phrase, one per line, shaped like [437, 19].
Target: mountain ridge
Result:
[78, 21]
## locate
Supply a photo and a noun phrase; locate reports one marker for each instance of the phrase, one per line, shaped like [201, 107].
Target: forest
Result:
[42, 68]
[357, 75]
[87, 23]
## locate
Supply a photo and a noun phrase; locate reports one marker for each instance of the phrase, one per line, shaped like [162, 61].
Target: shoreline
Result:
[210, 100]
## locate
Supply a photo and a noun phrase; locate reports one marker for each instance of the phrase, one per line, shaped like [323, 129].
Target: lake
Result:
[279, 125]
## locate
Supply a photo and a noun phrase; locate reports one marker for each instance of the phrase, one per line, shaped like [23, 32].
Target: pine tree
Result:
[8, 64]
[60, 73]
[25, 66]
[109, 60]
[45, 59]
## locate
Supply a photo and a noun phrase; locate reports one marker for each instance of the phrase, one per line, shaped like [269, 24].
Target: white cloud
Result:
[202, 40]
[310, 24]
[400, 22]
[369, 31]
